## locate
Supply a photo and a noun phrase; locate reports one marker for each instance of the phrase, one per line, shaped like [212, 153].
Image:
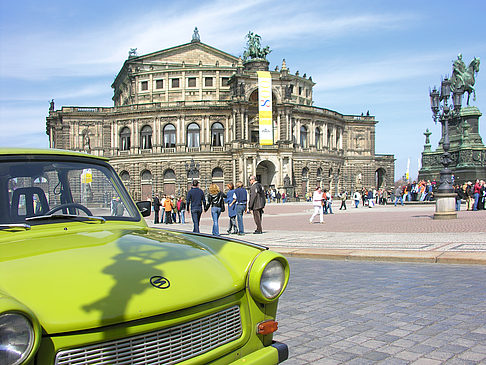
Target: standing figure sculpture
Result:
[463, 79]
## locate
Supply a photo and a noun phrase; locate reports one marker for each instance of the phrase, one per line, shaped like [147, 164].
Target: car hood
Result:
[73, 280]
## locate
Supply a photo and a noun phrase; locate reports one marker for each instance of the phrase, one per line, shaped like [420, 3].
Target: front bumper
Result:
[274, 354]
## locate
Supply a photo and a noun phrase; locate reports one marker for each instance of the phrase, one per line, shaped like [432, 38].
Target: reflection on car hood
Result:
[76, 280]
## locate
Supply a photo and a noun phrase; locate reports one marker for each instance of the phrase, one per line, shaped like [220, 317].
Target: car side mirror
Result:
[144, 207]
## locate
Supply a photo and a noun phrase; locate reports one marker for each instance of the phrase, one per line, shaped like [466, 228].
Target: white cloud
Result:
[101, 48]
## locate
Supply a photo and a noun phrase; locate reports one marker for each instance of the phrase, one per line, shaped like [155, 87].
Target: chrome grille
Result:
[168, 346]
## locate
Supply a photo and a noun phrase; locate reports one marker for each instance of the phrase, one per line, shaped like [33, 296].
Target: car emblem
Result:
[160, 282]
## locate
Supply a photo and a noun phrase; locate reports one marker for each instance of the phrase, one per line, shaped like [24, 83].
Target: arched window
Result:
[146, 138]
[217, 173]
[305, 173]
[125, 178]
[217, 132]
[193, 135]
[303, 137]
[329, 139]
[169, 174]
[318, 138]
[146, 175]
[125, 139]
[169, 136]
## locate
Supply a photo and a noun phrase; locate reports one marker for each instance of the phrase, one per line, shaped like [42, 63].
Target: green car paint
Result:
[84, 282]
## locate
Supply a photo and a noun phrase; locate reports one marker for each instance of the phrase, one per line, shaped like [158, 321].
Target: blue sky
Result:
[374, 55]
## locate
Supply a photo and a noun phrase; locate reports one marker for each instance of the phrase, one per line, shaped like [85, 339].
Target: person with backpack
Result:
[168, 210]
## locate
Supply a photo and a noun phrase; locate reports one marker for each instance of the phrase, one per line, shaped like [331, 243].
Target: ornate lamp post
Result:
[445, 196]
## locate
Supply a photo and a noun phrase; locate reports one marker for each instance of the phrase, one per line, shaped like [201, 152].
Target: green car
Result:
[83, 280]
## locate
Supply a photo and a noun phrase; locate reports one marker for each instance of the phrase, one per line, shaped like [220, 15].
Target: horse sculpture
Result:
[462, 78]
[255, 50]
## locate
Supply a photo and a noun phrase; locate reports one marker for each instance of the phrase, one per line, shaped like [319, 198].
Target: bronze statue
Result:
[254, 48]
[462, 78]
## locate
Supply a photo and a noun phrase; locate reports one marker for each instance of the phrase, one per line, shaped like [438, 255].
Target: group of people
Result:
[322, 203]
[173, 209]
[473, 194]
[237, 201]
[418, 191]
[273, 195]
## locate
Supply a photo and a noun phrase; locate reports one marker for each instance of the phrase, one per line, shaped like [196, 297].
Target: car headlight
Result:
[268, 277]
[273, 279]
[16, 338]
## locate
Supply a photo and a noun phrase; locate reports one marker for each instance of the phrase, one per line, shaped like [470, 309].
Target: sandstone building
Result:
[191, 111]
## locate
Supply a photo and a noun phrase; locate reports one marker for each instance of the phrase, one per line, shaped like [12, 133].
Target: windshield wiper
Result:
[15, 225]
[66, 216]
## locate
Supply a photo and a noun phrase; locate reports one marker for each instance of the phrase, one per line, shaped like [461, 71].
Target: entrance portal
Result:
[265, 171]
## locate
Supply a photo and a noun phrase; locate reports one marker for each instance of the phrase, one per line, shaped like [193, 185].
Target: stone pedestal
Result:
[445, 206]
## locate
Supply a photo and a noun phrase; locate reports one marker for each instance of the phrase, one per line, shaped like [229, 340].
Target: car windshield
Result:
[41, 192]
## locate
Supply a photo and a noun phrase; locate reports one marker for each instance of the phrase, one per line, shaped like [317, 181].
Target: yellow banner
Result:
[265, 107]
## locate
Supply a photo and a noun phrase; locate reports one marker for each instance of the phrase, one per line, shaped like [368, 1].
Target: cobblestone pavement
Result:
[409, 227]
[337, 312]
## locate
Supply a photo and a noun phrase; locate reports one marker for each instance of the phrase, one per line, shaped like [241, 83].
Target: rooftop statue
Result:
[195, 36]
[254, 49]
[462, 78]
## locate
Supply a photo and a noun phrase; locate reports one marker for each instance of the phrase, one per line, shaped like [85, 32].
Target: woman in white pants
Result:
[317, 203]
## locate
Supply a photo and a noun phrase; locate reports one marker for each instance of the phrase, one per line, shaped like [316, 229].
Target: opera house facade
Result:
[191, 111]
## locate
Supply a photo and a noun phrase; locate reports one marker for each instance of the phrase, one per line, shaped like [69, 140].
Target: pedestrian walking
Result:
[241, 203]
[256, 203]
[231, 201]
[195, 202]
[181, 207]
[216, 202]
[371, 200]
[156, 204]
[344, 197]
[398, 195]
[356, 198]
[317, 204]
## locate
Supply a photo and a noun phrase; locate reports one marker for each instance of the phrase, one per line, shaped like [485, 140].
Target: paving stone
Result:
[341, 335]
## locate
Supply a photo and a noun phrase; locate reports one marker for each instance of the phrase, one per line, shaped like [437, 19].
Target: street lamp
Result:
[445, 201]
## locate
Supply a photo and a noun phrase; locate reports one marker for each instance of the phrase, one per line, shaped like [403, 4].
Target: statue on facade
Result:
[132, 53]
[195, 36]
[86, 141]
[463, 78]
[286, 181]
[254, 48]
[51, 105]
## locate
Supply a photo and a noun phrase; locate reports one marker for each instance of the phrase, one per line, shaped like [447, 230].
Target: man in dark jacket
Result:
[256, 203]
[195, 202]
[156, 205]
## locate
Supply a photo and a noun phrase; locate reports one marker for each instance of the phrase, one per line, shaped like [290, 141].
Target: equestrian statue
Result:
[462, 79]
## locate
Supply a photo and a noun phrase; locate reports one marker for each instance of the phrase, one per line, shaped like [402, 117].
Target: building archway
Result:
[265, 174]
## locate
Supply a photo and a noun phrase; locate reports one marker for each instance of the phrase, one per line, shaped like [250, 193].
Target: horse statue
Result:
[462, 78]
[254, 48]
